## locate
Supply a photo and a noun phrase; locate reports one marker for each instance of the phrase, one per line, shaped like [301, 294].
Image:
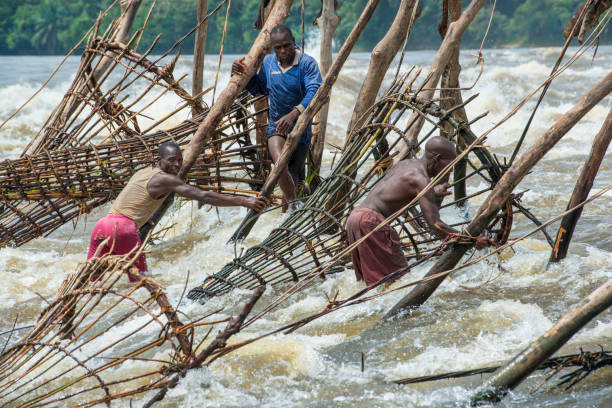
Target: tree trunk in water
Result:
[129, 8]
[529, 359]
[450, 95]
[261, 120]
[443, 56]
[582, 189]
[199, 51]
[320, 98]
[327, 22]
[502, 190]
[380, 60]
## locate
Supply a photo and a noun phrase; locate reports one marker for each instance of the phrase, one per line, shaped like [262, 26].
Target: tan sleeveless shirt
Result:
[134, 200]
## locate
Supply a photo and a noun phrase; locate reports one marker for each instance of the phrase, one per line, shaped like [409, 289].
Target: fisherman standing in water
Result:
[290, 78]
[143, 195]
[381, 253]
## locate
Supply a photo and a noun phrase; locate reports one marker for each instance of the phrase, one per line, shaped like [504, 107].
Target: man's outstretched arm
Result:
[430, 211]
[164, 183]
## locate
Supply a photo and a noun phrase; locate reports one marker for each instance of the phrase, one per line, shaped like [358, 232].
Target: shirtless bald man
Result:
[143, 195]
[381, 254]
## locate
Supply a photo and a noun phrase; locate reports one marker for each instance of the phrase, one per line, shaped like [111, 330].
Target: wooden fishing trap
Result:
[315, 234]
[43, 191]
[96, 138]
[101, 340]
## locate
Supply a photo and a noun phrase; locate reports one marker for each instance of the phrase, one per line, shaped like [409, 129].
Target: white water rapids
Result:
[320, 364]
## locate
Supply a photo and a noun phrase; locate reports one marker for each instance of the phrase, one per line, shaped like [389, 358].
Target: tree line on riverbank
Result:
[54, 26]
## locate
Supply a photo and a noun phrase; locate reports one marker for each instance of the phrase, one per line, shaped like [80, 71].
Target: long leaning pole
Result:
[501, 192]
[515, 371]
[320, 98]
[327, 22]
[582, 189]
[237, 83]
[199, 52]
[444, 55]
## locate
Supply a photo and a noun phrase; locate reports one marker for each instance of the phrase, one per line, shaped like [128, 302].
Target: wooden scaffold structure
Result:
[99, 341]
[94, 140]
[315, 234]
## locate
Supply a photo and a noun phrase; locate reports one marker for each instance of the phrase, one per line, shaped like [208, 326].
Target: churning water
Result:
[320, 364]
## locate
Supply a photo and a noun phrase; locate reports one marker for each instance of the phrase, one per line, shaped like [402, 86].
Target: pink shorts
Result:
[123, 238]
[381, 253]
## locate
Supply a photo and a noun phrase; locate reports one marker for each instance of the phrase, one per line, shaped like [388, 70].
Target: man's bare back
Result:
[404, 181]
[400, 185]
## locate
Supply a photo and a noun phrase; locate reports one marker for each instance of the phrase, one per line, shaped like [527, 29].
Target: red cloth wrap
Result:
[123, 238]
[381, 253]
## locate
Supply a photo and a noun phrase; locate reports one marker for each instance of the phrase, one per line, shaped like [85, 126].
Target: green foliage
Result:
[54, 26]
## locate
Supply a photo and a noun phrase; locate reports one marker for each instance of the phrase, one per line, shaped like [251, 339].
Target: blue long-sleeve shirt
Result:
[287, 88]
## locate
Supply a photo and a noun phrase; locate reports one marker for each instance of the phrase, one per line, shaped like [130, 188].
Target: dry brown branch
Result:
[586, 17]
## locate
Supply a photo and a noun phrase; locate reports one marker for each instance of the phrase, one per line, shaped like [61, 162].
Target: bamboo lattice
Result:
[62, 184]
[93, 141]
[315, 234]
[100, 341]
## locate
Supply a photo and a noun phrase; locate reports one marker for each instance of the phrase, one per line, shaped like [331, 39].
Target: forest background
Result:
[35, 27]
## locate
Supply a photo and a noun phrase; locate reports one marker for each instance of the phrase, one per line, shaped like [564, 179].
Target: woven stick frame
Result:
[93, 142]
[315, 234]
[90, 345]
[62, 184]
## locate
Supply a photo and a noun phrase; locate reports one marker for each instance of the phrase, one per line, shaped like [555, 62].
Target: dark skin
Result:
[404, 181]
[283, 45]
[167, 181]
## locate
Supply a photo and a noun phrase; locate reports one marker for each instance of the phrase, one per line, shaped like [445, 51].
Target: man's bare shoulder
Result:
[410, 171]
[164, 179]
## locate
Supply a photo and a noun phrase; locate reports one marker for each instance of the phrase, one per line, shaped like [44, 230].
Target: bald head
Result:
[441, 147]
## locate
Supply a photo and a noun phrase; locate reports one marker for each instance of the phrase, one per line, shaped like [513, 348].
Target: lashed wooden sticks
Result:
[94, 140]
[315, 234]
[99, 340]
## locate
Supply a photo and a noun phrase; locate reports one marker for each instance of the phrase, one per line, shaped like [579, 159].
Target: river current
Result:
[320, 364]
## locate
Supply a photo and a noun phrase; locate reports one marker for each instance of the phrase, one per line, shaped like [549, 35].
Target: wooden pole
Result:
[261, 120]
[582, 189]
[327, 22]
[219, 342]
[450, 95]
[446, 51]
[382, 56]
[320, 98]
[199, 51]
[529, 359]
[502, 190]
[237, 83]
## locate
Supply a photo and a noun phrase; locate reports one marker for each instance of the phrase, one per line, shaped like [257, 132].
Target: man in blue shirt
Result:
[290, 78]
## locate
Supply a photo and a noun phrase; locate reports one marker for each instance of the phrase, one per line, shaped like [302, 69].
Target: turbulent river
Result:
[320, 364]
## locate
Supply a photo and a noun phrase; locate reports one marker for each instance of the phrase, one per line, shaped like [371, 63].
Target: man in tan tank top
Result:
[143, 195]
